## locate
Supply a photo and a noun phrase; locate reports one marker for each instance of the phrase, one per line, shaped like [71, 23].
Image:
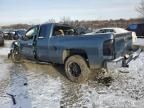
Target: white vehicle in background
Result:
[113, 30]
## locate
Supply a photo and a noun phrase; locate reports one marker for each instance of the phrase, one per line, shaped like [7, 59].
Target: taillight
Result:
[108, 48]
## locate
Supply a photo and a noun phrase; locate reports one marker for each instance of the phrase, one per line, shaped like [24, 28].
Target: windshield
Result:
[21, 32]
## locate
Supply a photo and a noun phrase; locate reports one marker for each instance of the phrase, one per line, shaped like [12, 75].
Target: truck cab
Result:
[39, 41]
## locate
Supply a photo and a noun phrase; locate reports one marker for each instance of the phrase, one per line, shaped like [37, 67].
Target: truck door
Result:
[27, 43]
[42, 51]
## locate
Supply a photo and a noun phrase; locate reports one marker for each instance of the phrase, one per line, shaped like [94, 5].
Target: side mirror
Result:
[23, 38]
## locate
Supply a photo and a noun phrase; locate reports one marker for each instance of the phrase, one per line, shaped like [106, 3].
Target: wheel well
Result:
[71, 52]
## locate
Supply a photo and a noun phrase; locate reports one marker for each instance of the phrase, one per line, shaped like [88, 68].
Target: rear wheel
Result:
[77, 69]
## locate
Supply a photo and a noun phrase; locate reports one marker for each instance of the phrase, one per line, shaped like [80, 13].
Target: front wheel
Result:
[15, 56]
[77, 69]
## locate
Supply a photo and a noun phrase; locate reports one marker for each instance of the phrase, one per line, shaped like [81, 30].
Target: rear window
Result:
[132, 26]
[109, 31]
[63, 30]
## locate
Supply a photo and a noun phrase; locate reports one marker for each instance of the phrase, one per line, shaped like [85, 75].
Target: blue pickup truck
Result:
[61, 44]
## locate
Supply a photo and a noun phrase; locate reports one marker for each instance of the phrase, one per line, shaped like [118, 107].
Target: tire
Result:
[77, 69]
[16, 57]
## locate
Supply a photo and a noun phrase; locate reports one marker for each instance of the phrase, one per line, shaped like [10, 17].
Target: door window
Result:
[43, 31]
[110, 31]
[101, 31]
[31, 33]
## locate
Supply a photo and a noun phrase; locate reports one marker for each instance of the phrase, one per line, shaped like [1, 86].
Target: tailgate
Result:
[122, 44]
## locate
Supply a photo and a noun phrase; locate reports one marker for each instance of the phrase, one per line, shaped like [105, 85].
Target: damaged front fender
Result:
[14, 53]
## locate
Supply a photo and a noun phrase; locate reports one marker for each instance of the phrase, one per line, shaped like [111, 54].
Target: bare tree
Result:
[17, 26]
[51, 21]
[140, 8]
[65, 20]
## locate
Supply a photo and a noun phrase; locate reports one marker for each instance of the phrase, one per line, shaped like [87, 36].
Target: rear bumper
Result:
[122, 61]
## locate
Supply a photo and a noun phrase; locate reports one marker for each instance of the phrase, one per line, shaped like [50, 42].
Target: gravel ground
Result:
[45, 86]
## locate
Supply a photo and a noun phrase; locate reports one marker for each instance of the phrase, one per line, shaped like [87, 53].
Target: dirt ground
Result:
[45, 86]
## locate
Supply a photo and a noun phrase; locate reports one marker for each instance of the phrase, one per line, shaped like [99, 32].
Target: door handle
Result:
[41, 37]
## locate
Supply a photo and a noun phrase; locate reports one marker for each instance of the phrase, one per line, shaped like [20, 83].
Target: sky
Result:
[39, 11]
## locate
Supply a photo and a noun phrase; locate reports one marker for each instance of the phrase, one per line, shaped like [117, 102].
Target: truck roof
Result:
[58, 24]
